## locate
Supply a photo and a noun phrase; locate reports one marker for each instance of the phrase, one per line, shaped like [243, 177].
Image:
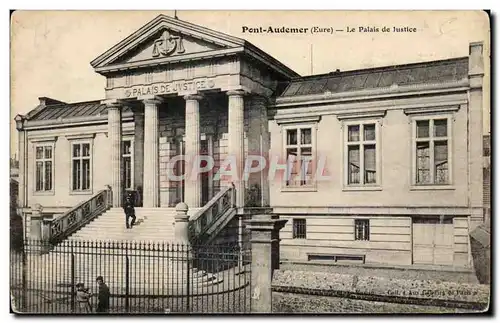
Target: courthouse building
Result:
[401, 145]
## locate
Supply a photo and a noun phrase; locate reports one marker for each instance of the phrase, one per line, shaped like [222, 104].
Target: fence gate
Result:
[142, 277]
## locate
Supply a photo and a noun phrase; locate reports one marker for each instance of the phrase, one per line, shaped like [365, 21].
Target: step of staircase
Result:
[152, 224]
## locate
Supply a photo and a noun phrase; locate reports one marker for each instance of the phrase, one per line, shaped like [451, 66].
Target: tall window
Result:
[431, 151]
[81, 161]
[44, 163]
[299, 154]
[361, 147]
[128, 151]
[361, 229]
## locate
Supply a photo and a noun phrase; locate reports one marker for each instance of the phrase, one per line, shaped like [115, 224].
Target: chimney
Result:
[48, 101]
[476, 62]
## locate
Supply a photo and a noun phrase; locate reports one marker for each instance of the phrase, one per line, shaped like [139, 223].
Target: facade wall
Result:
[62, 195]
[391, 239]
[396, 165]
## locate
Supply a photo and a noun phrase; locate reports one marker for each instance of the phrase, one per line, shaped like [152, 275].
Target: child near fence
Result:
[83, 299]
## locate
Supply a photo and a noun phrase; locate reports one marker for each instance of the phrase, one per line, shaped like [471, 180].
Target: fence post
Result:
[181, 223]
[264, 230]
[183, 247]
[24, 282]
[73, 282]
[127, 284]
[36, 218]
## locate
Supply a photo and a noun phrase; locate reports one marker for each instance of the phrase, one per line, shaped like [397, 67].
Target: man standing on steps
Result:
[128, 207]
[102, 296]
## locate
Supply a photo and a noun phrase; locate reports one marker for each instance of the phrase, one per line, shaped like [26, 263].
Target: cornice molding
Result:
[432, 109]
[42, 139]
[296, 119]
[80, 136]
[363, 114]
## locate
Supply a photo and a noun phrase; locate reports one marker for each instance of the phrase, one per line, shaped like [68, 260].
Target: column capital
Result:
[194, 96]
[238, 92]
[150, 99]
[113, 103]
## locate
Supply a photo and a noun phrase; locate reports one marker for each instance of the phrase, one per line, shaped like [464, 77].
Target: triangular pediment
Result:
[165, 37]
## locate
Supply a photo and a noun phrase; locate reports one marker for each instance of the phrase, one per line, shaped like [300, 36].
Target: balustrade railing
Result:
[80, 215]
[219, 205]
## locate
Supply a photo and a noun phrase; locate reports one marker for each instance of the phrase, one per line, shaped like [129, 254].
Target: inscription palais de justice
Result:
[174, 87]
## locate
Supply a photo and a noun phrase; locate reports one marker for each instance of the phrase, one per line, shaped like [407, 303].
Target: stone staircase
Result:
[156, 264]
[152, 224]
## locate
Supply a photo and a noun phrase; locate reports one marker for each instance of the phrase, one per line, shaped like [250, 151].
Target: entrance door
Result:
[179, 170]
[206, 177]
[433, 240]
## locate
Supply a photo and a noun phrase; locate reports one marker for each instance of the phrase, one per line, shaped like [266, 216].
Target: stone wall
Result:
[304, 291]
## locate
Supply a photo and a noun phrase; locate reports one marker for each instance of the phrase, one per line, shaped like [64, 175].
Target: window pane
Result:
[128, 172]
[423, 129]
[423, 163]
[306, 166]
[291, 138]
[361, 229]
[76, 150]
[441, 161]
[305, 136]
[441, 128]
[369, 130]
[370, 164]
[127, 147]
[48, 152]
[48, 175]
[39, 152]
[299, 229]
[76, 174]
[86, 150]
[86, 174]
[39, 176]
[353, 165]
[291, 157]
[353, 133]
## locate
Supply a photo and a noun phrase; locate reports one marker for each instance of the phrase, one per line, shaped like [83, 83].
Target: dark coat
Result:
[103, 298]
[128, 207]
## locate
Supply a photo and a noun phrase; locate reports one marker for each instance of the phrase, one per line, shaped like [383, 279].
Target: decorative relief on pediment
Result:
[167, 44]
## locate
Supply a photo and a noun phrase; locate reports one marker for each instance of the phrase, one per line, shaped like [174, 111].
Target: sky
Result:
[51, 50]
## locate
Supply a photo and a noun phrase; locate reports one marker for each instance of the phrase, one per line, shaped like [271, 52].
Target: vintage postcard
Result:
[250, 162]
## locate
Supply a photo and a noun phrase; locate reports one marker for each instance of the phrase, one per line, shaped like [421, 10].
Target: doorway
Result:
[433, 240]
[179, 169]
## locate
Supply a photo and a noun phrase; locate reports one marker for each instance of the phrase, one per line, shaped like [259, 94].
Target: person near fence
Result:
[129, 208]
[102, 296]
[83, 299]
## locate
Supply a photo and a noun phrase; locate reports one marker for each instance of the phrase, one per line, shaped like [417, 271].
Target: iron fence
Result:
[143, 277]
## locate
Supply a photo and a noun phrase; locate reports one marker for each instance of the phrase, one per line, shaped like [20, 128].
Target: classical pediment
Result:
[163, 38]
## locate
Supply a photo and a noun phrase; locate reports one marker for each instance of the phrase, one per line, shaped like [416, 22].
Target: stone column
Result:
[236, 146]
[115, 140]
[139, 151]
[192, 186]
[151, 164]
[264, 230]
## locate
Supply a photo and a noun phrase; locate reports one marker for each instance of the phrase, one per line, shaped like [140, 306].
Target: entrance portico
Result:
[172, 69]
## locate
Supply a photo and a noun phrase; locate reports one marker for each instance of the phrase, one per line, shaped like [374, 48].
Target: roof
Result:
[417, 73]
[71, 110]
